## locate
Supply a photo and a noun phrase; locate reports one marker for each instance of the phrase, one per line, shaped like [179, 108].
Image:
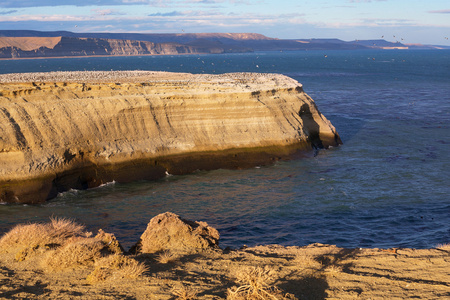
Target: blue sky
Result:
[408, 21]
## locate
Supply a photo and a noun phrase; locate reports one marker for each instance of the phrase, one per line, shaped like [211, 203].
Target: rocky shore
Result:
[181, 259]
[65, 130]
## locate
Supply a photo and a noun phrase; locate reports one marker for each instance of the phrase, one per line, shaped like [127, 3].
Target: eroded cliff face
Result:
[22, 47]
[82, 129]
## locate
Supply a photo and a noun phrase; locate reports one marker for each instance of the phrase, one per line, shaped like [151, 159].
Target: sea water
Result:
[386, 186]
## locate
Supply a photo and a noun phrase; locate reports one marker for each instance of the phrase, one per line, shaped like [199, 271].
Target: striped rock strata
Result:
[79, 130]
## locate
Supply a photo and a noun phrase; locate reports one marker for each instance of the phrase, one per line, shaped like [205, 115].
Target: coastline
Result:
[120, 55]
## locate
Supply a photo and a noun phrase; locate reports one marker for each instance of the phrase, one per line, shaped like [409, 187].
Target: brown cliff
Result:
[23, 47]
[81, 129]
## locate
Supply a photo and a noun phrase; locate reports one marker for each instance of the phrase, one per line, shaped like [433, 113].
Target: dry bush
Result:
[28, 252]
[183, 292]
[443, 247]
[166, 257]
[114, 267]
[63, 229]
[39, 235]
[333, 270]
[76, 253]
[255, 284]
[110, 241]
[307, 261]
[22, 236]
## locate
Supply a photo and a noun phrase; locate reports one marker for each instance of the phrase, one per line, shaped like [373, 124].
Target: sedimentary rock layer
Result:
[81, 129]
[23, 47]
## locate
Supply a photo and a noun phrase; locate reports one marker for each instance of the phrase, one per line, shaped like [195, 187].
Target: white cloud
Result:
[107, 12]
[365, 1]
[103, 3]
[441, 11]
[100, 3]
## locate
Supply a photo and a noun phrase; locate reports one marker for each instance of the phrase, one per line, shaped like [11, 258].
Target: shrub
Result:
[76, 253]
[443, 246]
[166, 257]
[39, 235]
[116, 266]
[255, 284]
[307, 261]
[183, 292]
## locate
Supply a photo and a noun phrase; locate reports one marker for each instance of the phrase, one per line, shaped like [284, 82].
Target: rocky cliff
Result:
[81, 129]
[23, 47]
[29, 43]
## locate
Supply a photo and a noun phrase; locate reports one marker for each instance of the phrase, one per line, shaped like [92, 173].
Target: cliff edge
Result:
[79, 130]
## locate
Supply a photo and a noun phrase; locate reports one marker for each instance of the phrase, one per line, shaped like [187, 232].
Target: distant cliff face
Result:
[28, 43]
[81, 129]
[23, 47]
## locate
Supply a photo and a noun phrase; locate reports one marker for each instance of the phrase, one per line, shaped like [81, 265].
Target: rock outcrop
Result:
[169, 232]
[78, 130]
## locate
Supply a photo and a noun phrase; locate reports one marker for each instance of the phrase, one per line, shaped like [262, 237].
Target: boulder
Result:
[169, 231]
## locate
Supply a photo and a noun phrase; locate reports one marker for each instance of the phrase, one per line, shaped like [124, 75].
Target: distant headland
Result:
[34, 44]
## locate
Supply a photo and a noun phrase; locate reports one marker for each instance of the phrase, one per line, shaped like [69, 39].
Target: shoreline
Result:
[124, 55]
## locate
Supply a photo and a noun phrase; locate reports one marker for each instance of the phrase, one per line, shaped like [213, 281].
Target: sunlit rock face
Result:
[22, 47]
[82, 129]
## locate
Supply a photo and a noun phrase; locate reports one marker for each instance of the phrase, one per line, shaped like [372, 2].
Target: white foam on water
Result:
[107, 184]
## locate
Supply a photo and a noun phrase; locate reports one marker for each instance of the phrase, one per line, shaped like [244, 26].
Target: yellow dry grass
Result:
[114, 267]
[307, 261]
[444, 247]
[38, 235]
[80, 252]
[255, 284]
[184, 292]
[166, 257]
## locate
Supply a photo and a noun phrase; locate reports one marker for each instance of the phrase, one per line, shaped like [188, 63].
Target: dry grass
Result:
[63, 229]
[166, 257]
[255, 284]
[110, 241]
[443, 247]
[64, 245]
[114, 267]
[80, 252]
[38, 235]
[333, 270]
[183, 292]
[307, 261]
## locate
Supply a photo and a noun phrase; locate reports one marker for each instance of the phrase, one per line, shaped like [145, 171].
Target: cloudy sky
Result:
[414, 21]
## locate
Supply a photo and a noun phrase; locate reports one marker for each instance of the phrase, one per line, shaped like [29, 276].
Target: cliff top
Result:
[243, 81]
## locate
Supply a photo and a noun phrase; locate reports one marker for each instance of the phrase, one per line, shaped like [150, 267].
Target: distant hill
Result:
[30, 43]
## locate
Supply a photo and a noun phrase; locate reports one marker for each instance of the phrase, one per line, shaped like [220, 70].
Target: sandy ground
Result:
[312, 272]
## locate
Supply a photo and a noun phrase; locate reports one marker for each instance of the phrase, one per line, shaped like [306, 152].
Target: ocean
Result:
[386, 186]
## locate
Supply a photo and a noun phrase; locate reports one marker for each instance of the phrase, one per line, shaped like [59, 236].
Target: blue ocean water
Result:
[387, 186]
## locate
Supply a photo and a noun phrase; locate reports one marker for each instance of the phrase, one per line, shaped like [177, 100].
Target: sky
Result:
[407, 21]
